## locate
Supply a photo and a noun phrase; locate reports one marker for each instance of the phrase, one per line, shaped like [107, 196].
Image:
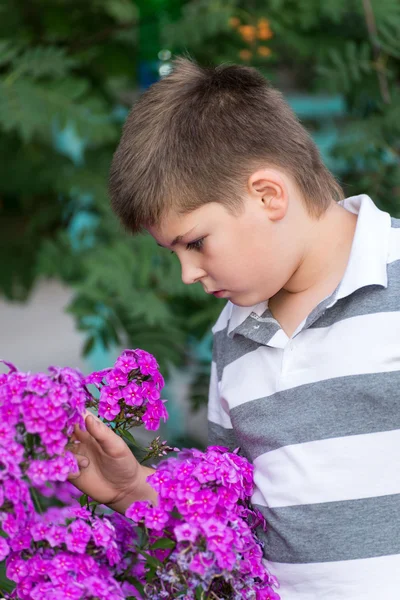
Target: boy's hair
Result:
[198, 134]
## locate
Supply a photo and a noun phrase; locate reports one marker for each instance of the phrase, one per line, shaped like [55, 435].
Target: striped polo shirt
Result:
[318, 414]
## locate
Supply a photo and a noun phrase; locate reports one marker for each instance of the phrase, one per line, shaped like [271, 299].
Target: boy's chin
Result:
[245, 300]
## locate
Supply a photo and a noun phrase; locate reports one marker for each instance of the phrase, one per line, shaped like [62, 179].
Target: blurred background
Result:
[74, 287]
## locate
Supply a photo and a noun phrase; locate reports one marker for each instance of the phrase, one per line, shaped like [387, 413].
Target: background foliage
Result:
[70, 70]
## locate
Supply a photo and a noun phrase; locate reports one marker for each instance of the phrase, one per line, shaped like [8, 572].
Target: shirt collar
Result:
[240, 313]
[369, 253]
[368, 258]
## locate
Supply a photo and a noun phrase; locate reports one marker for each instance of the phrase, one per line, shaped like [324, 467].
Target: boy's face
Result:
[246, 257]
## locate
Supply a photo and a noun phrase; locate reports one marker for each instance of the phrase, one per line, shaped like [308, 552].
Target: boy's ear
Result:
[269, 187]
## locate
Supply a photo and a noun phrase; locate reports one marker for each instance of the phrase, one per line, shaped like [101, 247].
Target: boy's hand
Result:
[108, 471]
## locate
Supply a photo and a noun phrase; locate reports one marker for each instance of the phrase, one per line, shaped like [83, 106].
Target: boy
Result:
[306, 364]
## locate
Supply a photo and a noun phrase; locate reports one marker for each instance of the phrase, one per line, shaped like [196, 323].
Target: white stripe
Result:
[372, 346]
[343, 468]
[223, 318]
[363, 579]
[216, 412]
[254, 375]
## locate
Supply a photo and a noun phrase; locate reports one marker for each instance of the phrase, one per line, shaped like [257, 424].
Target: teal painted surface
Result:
[317, 107]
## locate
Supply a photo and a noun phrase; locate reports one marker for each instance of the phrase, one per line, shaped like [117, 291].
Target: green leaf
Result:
[138, 586]
[151, 560]
[123, 11]
[83, 500]
[55, 102]
[163, 543]
[44, 61]
[199, 593]
[89, 345]
[128, 437]
[5, 584]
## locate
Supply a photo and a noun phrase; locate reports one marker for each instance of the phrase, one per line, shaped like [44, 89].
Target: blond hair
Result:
[196, 136]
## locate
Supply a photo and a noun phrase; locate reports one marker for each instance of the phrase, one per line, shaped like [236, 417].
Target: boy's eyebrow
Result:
[178, 238]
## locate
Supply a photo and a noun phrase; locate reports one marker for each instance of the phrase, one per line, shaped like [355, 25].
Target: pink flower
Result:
[156, 518]
[186, 532]
[38, 383]
[133, 394]
[147, 363]
[4, 549]
[126, 361]
[136, 511]
[116, 377]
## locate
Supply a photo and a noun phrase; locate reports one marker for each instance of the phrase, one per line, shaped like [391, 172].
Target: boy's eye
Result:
[196, 245]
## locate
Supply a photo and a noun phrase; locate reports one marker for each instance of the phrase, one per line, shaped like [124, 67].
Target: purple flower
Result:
[136, 511]
[156, 518]
[16, 569]
[97, 377]
[147, 363]
[109, 411]
[56, 535]
[116, 378]
[38, 383]
[4, 549]
[126, 361]
[133, 394]
[186, 532]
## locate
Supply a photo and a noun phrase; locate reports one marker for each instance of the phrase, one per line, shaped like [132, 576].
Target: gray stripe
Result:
[337, 407]
[219, 436]
[256, 328]
[332, 531]
[227, 349]
[365, 301]
[395, 223]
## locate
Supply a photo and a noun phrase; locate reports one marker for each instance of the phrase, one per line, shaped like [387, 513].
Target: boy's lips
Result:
[218, 293]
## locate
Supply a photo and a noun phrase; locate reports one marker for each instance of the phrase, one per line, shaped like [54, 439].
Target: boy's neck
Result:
[327, 252]
[320, 271]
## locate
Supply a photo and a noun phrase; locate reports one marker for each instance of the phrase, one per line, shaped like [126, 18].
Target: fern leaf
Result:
[44, 61]
[31, 109]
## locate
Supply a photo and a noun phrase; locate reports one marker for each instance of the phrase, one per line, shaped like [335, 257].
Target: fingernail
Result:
[84, 462]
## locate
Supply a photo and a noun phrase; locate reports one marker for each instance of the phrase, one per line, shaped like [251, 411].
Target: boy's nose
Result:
[191, 274]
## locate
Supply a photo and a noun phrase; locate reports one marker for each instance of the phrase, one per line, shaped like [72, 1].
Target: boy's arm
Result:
[108, 471]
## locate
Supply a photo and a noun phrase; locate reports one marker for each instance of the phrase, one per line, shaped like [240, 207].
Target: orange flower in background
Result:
[264, 51]
[263, 22]
[248, 32]
[265, 34]
[234, 22]
[245, 54]
[264, 30]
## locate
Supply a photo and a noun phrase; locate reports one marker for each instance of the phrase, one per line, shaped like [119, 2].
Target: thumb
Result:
[105, 436]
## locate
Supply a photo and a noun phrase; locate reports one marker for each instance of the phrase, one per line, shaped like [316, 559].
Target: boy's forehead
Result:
[175, 226]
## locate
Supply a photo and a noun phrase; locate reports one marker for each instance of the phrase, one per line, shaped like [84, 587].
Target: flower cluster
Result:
[56, 554]
[201, 531]
[197, 543]
[130, 392]
[38, 414]
[67, 553]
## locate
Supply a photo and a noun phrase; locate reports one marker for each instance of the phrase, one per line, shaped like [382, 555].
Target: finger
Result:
[82, 462]
[110, 442]
[80, 434]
